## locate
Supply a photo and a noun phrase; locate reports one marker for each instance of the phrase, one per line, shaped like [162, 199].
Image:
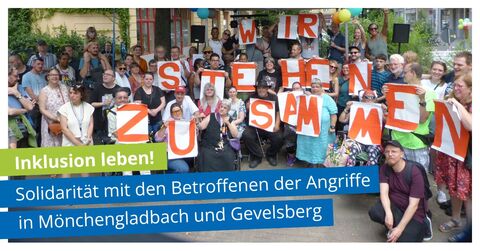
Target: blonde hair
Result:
[203, 100]
[410, 57]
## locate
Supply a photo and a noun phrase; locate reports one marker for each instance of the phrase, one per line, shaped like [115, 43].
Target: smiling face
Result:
[148, 80]
[53, 77]
[460, 65]
[121, 98]
[437, 72]
[38, 66]
[461, 90]
[176, 112]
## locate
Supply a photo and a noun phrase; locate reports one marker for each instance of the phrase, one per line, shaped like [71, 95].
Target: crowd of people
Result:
[73, 101]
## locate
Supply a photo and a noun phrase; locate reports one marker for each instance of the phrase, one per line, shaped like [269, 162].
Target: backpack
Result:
[409, 165]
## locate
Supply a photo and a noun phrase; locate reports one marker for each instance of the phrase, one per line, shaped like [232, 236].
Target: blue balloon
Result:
[355, 11]
[202, 13]
[194, 10]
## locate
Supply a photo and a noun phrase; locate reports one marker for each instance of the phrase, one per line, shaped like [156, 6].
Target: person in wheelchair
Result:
[216, 151]
[360, 153]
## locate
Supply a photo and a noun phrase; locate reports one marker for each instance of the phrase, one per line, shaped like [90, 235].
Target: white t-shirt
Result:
[78, 120]
[216, 47]
[439, 90]
[188, 107]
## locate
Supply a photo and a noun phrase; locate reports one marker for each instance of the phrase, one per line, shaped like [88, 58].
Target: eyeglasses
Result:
[175, 111]
[369, 97]
[53, 75]
[122, 68]
[207, 52]
[228, 34]
[354, 52]
[373, 28]
[333, 67]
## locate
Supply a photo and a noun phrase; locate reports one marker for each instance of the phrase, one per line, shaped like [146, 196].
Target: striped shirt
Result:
[49, 60]
[378, 79]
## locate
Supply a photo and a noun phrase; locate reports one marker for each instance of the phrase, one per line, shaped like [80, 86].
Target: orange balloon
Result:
[336, 18]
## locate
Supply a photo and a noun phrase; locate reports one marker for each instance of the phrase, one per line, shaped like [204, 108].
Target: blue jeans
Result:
[177, 166]
[154, 127]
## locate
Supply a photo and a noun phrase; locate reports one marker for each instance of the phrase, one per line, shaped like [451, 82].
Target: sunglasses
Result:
[122, 68]
[333, 67]
[369, 97]
[373, 28]
[354, 52]
[226, 34]
[176, 111]
[207, 52]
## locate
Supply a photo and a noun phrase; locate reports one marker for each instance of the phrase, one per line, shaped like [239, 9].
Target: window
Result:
[146, 29]
[180, 27]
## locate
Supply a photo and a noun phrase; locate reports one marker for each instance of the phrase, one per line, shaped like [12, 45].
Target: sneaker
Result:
[290, 159]
[428, 231]
[441, 197]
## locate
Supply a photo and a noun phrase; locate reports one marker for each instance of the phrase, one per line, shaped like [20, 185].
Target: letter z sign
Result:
[132, 123]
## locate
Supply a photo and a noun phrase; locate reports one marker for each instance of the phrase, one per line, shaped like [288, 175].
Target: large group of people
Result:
[73, 102]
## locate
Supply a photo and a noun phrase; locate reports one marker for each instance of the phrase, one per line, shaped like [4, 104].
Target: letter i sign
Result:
[132, 123]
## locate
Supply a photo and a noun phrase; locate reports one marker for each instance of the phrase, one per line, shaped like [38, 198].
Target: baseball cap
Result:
[180, 89]
[41, 42]
[394, 143]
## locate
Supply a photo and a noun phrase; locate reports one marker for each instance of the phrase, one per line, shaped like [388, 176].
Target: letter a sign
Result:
[182, 139]
[132, 124]
[451, 137]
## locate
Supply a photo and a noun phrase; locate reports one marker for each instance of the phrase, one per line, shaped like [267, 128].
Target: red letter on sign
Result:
[289, 77]
[308, 114]
[172, 141]
[460, 142]
[256, 112]
[370, 125]
[121, 132]
[163, 75]
[249, 34]
[304, 28]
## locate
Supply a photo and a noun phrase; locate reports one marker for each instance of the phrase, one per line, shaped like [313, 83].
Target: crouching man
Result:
[401, 208]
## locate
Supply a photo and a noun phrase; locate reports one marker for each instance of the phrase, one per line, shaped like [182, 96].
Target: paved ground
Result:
[351, 224]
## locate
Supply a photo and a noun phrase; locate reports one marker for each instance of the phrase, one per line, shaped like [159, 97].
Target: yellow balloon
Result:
[344, 15]
[335, 18]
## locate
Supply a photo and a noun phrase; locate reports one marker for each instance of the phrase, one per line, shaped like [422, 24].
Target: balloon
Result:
[466, 20]
[344, 15]
[335, 18]
[460, 21]
[194, 10]
[202, 13]
[460, 26]
[355, 11]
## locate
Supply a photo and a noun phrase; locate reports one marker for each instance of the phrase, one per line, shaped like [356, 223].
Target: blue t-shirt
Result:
[34, 81]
